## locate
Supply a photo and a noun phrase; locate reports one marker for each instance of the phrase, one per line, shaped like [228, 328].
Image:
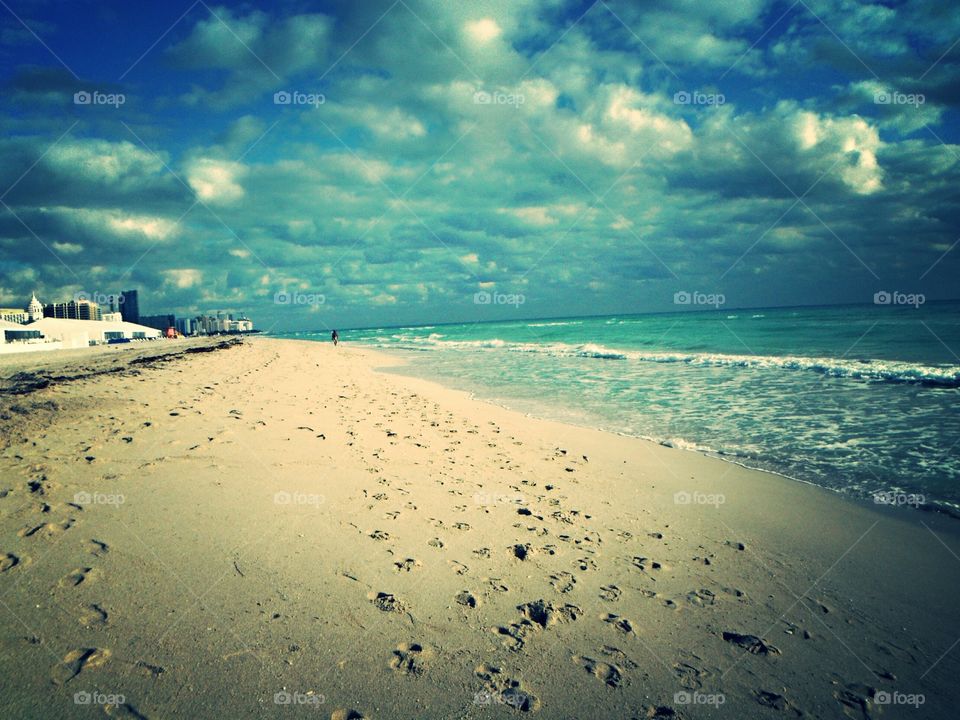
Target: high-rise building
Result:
[159, 322]
[129, 306]
[184, 326]
[73, 310]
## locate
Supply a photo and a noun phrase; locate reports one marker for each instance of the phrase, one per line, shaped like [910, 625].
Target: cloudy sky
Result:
[380, 162]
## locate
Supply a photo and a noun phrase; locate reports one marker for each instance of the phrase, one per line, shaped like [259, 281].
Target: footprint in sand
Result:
[458, 567]
[563, 582]
[406, 565]
[521, 551]
[97, 547]
[80, 576]
[500, 689]
[467, 599]
[387, 602]
[750, 643]
[436, 543]
[610, 593]
[93, 616]
[47, 530]
[545, 614]
[609, 674]
[690, 677]
[701, 597]
[347, 714]
[380, 535]
[776, 701]
[620, 623]
[76, 661]
[660, 712]
[126, 711]
[409, 659]
[857, 701]
[585, 564]
[497, 586]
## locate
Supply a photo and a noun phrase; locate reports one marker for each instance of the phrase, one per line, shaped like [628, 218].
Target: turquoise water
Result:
[860, 399]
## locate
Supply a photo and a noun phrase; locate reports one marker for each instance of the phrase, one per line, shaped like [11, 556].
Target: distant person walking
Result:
[335, 336]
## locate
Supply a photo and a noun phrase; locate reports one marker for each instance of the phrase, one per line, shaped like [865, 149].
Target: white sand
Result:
[293, 521]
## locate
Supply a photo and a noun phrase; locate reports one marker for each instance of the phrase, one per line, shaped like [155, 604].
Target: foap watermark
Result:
[286, 697]
[899, 499]
[895, 297]
[298, 298]
[698, 98]
[682, 297]
[894, 97]
[95, 97]
[97, 498]
[298, 498]
[488, 698]
[883, 697]
[99, 298]
[494, 298]
[698, 498]
[85, 697]
[295, 97]
[485, 97]
[483, 498]
[685, 697]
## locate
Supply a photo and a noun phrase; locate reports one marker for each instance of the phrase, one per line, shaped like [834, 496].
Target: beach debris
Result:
[751, 643]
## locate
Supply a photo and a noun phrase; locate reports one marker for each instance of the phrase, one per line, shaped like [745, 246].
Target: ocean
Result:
[863, 400]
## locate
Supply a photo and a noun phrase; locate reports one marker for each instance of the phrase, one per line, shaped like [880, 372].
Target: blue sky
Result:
[587, 157]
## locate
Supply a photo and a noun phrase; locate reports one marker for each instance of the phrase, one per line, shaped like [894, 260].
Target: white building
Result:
[34, 309]
[81, 333]
[13, 315]
[22, 338]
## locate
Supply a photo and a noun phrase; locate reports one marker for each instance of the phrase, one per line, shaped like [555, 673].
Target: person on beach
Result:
[335, 337]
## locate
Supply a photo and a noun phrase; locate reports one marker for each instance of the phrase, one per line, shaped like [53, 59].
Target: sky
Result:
[318, 165]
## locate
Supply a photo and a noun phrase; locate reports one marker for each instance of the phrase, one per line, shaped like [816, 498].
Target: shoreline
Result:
[935, 506]
[295, 521]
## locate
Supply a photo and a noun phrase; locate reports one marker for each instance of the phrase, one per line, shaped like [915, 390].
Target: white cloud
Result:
[482, 31]
[216, 181]
[182, 278]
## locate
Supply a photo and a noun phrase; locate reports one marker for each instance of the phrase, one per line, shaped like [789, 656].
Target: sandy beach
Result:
[276, 528]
